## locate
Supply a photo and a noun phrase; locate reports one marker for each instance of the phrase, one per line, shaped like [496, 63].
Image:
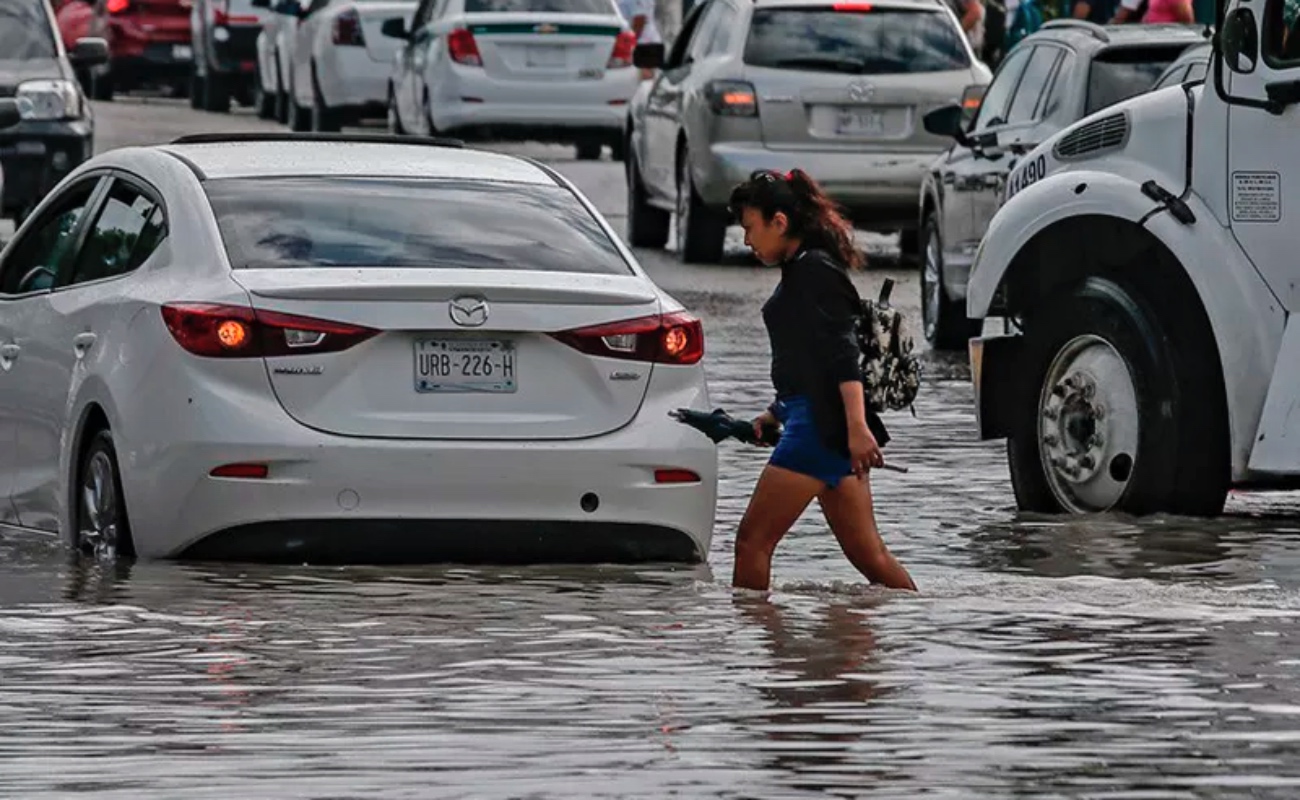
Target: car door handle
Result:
[82, 342]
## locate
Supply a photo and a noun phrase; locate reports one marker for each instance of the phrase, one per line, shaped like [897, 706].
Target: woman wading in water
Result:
[827, 447]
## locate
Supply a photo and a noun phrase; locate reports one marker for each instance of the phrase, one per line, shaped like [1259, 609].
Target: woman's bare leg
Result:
[852, 517]
[779, 498]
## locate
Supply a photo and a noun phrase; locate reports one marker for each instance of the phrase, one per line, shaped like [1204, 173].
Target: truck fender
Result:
[1246, 318]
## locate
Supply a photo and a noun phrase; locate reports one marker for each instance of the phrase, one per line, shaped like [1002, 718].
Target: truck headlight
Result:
[49, 100]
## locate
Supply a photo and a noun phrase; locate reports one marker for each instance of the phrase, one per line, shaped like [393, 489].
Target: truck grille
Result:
[1108, 133]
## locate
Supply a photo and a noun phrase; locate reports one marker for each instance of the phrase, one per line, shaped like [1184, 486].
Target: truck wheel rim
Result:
[1088, 430]
[930, 288]
[99, 507]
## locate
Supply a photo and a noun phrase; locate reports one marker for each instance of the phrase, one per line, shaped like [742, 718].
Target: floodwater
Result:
[1089, 658]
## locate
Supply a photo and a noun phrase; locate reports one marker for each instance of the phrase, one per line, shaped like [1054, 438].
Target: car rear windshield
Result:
[1118, 74]
[25, 31]
[385, 222]
[543, 6]
[871, 42]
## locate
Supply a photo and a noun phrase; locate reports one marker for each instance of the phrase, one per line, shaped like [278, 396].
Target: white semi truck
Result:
[1146, 265]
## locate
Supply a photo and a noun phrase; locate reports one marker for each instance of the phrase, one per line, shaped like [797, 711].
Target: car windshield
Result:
[384, 222]
[545, 6]
[25, 31]
[1116, 75]
[857, 41]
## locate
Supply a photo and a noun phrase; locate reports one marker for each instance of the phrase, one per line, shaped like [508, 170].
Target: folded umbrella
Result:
[719, 426]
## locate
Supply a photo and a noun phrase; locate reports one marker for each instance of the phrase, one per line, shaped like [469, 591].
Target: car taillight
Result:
[850, 6]
[222, 331]
[732, 98]
[347, 29]
[621, 56]
[676, 338]
[117, 6]
[462, 48]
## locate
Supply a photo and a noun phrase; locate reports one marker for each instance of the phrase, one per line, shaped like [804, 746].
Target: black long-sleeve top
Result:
[810, 324]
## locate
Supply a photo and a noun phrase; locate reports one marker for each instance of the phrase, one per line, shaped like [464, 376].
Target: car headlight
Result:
[49, 100]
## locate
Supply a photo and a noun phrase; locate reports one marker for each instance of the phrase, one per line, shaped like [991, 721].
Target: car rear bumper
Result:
[474, 103]
[35, 156]
[350, 78]
[155, 61]
[334, 497]
[873, 186]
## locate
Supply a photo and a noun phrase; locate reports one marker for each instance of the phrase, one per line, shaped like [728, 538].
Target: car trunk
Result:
[543, 45]
[426, 377]
[852, 74]
[379, 47]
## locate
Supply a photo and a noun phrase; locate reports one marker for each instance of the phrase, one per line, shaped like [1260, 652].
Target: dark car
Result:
[148, 42]
[57, 132]
[1063, 72]
[224, 35]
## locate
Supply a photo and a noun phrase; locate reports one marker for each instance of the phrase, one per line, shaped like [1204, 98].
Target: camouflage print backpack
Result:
[891, 374]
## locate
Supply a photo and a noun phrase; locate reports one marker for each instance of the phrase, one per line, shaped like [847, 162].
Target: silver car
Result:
[837, 89]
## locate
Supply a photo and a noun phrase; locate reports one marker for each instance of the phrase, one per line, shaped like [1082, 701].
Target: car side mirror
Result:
[946, 121]
[1239, 41]
[89, 51]
[395, 28]
[648, 56]
[9, 113]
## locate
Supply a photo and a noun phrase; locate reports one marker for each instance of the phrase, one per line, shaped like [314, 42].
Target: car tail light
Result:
[676, 476]
[221, 331]
[347, 29]
[462, 48]
[732, 98]
[246, 471]
[851, 6]
[117, 6]
[624, 44]
[676, 338]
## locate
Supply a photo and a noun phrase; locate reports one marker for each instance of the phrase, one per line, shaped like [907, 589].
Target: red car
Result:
[148, 41]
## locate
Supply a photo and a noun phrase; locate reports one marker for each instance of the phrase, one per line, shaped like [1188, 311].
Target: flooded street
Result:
[1098, 658]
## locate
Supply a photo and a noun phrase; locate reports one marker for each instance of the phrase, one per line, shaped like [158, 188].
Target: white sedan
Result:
[344, 348]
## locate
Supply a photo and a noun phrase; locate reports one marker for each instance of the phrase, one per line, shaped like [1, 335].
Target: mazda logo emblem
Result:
[861, 91]
[469, 312]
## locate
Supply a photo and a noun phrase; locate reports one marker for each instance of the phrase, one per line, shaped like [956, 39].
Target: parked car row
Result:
[1064, 72]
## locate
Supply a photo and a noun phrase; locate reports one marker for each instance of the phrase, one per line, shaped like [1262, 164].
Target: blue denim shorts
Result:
[800, 448]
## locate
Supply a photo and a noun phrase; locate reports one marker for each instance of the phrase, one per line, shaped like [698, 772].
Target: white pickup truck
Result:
[1146, 264]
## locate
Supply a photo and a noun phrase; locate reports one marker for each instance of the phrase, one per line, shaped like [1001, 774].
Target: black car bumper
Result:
[37, 155]
[158, 62]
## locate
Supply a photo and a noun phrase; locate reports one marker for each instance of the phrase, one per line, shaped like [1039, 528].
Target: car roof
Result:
[235, 157]
[1090, 35]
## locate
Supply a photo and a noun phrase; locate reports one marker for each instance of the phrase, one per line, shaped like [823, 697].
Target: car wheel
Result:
[1113, 415]
[103, 86]
[589, 150]
[299, 117]
[394, 117]
[943, 320]
[618, 149]
[102, 527]
[701, 232]
[216, 94]
[196, 91]
[323, 118]
[647, 226]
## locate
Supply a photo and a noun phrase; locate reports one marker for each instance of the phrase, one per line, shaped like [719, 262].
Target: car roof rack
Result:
[1093, 28]
[289, 136]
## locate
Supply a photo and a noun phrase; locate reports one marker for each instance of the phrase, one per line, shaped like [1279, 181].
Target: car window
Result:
[1281, 34]
[533, 6]
[858, 40]
[1032, 84]
[129, 228]
[1118, 74]
[1171, 77]
[25, 32]
[1197, 71]
[412, 223]
[1060, 84]
[423, 13]
[720, 42]
[704, 32]
[993, 107]
[36, 259]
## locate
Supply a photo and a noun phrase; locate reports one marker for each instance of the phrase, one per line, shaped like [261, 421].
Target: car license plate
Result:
[545, 56]
[465, 365]
[182, 52]
[859, 122]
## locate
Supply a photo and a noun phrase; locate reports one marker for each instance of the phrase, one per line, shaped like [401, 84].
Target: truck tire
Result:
[1114, 413]
[943, 321]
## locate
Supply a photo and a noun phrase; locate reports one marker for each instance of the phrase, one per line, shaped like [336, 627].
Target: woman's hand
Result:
[864, 452]
[765, 420]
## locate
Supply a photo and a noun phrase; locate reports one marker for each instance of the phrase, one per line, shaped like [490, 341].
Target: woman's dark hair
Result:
[814, 217]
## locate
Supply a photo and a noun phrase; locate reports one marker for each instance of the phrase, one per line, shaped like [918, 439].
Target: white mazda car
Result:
[343, 348]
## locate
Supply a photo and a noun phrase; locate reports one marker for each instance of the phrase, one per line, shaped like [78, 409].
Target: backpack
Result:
[891, 373]
[1028, 18]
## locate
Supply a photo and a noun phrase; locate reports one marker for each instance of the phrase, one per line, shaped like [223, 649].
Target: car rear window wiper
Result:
[853, 65]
